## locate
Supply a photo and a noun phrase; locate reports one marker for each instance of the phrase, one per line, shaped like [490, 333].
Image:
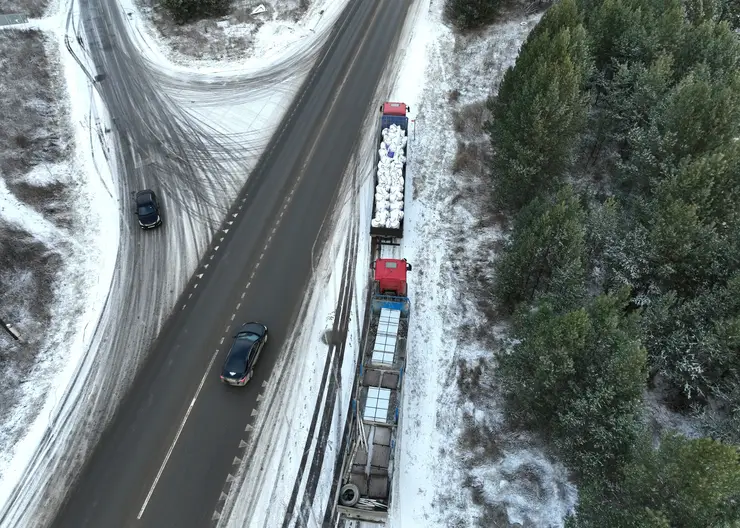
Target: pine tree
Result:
[472, 14]
[683, 484]
[578, 376]
[539, 112]
[183, 11]
[545, 257]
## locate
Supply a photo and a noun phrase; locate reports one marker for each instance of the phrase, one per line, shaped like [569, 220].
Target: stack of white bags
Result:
[389, 190]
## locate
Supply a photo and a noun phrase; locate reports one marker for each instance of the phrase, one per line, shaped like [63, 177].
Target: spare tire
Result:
[349, 495]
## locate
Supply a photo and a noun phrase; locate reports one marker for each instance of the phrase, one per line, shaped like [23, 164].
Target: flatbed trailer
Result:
[391, 114]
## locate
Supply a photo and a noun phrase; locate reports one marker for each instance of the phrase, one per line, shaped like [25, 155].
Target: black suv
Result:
[147, 209]
[248, 343]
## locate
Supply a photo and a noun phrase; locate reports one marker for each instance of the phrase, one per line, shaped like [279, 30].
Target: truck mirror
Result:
[408, 267]
[372, 265]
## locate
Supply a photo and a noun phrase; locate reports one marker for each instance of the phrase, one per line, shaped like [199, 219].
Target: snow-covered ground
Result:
[235, 39]
[463, 468]
[62, 239]
[59, 241]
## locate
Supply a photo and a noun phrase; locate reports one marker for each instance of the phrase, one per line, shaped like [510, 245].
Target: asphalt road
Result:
[259, 271]
[158, 141]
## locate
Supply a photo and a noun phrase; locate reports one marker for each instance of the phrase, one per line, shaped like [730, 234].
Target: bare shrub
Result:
[469, 119]
[31, 120]
[27, 274]
[472, 157]
[31, 8]
[292, 10]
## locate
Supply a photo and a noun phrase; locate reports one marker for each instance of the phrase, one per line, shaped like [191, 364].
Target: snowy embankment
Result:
[390, 172]
[458, 463]
[58, 237]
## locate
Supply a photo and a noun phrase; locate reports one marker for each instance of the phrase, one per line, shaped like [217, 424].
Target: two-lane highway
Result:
[164, 459]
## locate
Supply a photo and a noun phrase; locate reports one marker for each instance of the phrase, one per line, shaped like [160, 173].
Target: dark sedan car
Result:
[248, 343]
[147, 209]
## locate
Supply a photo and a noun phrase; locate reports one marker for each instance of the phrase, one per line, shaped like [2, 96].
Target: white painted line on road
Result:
[254, 412]
[262, 255]
[230, 478]
[177, 436]
[249, 283]
[216, 248]
[183, 307]
[222, 497]
[236, 461]
[222, 341]
[259, 397]
[274, 229]
[264, 384]
[230, 222]
[233, 316]
[199, 275]
[245, 198]
[242, 443]
[244, 293]
[248, 428]
[238, 305]
[257, 265]
[206, 266]
[222, 239]
[227, 328]
[269, 239]
[210, 258]
[196, 285]
[216, 516]
[226, 230]
[190, 295]
[234, 214]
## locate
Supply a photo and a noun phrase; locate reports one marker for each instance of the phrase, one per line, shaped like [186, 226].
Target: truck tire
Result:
[349, 495]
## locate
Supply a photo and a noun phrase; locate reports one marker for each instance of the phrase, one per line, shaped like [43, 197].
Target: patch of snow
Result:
[89, 260]
[439, 482]
[21, 215]
[273, 41]
[664, 420]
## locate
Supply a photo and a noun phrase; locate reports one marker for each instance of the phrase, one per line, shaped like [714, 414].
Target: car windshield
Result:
[146, 210]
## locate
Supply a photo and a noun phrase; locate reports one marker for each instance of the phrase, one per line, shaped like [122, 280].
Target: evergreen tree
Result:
[579, 376]
[471, 14]
[545, 256]
[683, 484]
[539, 112]
[183, 11]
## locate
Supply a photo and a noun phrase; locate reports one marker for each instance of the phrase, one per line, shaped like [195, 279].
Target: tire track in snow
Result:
[333, 361]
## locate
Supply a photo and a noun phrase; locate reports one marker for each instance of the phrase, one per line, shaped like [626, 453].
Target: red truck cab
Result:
[390, 276]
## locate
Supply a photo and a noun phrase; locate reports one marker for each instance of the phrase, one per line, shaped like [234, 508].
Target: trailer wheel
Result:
[349, 495]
